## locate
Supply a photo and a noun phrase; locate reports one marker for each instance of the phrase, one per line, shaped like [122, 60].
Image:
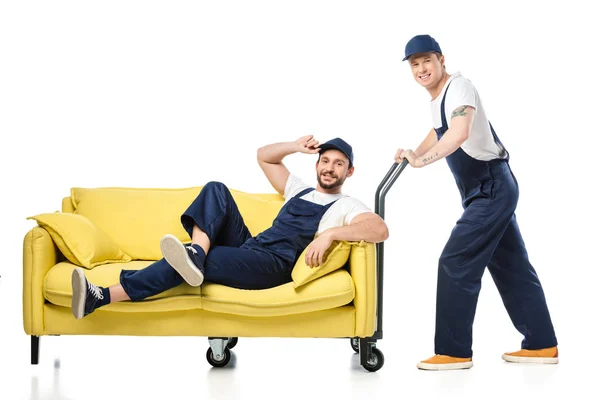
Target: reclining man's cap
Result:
[421, 44]
[338, 144]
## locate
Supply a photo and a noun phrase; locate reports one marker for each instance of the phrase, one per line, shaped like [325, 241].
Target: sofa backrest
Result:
[137, 218]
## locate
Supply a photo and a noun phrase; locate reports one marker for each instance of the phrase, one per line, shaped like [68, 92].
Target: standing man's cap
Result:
[338, 144]
[421, 44]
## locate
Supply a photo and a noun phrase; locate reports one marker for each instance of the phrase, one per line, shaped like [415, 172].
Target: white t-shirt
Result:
[339, 214]
[480, 144]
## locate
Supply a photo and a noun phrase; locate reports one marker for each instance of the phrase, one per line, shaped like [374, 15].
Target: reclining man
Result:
[223, 251]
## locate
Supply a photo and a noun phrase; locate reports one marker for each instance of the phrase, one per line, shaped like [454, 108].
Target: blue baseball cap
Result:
[421, 44]
[338, 144]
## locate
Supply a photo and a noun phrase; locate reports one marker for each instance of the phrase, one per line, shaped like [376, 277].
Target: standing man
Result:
[487, 234]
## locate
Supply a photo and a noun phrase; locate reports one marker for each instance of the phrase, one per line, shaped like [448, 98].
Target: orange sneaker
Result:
[541, 356]
[440, 362]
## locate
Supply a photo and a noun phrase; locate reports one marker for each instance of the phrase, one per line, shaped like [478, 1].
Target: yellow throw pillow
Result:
[80, 240]
[136, 218]
[335, 258]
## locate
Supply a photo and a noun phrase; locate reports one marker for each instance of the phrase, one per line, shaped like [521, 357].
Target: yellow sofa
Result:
[110, 229]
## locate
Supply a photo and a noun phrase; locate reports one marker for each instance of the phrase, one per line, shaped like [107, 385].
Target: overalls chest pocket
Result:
[298, 209]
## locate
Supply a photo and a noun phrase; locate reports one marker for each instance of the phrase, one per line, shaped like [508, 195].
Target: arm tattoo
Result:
[427, 159]
[459, 112]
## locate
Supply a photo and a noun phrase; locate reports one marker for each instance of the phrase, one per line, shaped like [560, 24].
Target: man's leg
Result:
[245, 268]
[461, 267]
[524, 298]
[135, 285]
[213, 219]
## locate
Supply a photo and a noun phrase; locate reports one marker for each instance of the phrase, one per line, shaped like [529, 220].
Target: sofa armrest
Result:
[364, 274]
[39, 255]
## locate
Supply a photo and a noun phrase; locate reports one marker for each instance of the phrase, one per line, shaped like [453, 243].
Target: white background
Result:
[174, 94]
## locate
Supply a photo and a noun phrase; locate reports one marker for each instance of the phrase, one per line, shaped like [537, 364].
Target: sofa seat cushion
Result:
[57, 289]
[330, 291]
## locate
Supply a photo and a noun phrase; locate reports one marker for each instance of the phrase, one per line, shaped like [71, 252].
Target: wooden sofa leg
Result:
[35, 349]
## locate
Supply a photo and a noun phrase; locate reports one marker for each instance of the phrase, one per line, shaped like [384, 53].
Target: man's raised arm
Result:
[270, 159]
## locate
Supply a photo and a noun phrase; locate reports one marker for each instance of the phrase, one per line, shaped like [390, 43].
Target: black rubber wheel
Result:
[220, 363]
[375, 362]
[354, 344]
[232, 342]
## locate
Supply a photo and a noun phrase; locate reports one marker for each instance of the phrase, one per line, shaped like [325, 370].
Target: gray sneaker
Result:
[86, 296]
[184, 259]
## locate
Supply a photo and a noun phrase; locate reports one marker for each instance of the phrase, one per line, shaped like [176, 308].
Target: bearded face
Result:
[332, 169]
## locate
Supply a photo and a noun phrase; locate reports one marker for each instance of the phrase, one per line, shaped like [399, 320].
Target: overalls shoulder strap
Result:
[444, 127]
[503, 152]
[305, 191]
[323, 207]
[443, 110]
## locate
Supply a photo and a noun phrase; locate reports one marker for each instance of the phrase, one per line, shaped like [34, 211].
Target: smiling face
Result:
[333, 168]
[427, 69]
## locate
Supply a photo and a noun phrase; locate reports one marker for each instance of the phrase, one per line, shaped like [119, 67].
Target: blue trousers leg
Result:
[146, 282]
[245, 268]
[521, 290]
[216, 213]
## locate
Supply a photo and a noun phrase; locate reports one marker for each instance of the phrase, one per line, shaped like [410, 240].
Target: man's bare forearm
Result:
[447, 145]
[429, 141]
[370, 230]
[276, 152]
